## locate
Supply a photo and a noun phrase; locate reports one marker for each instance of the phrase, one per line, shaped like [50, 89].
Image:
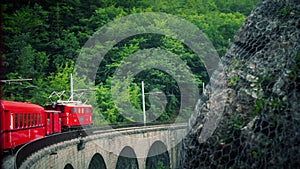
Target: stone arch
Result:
[68, 166]
[158, 156]
[97, 162]
[127, 159]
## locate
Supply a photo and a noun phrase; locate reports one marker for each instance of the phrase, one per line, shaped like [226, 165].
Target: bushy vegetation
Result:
[42, 39]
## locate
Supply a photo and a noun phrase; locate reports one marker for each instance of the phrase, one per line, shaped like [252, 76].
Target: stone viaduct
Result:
[136, 147]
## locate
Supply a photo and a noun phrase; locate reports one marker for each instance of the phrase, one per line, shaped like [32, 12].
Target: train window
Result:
[25, 120]
[33, 119]
[36, 119]
[62, 109]
[48, 118]
[12, 121]
[41, 116]
[39, 119]
[29, 120]
[16, 120]
[21, 120]
[74, 110]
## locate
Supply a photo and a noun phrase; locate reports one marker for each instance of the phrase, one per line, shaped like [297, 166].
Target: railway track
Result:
[28, 149]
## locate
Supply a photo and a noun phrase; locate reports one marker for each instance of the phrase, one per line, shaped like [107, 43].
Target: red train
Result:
[22, 122]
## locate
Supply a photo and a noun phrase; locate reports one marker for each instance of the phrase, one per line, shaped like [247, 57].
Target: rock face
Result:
[260, 123]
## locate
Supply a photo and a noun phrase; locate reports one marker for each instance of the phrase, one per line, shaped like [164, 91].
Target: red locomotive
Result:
[23, 122]
[73, 114]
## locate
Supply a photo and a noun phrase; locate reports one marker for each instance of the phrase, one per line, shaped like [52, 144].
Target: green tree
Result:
[115, 110]
[42, 40]
[66, 48]
[60, 81]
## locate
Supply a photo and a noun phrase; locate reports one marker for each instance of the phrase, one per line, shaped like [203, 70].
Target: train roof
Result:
[7, 105]
[72, 103]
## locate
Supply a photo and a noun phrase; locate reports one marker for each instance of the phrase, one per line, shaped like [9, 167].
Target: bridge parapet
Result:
[140, 146]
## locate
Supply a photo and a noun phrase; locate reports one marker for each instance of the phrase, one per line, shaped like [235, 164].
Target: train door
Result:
[56, 122]
[49, 122]
[53, 122]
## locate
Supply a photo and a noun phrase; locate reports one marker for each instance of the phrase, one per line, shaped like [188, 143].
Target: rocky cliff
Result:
[259, 126]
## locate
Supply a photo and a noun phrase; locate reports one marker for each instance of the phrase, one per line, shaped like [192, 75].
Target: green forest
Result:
[41, 40]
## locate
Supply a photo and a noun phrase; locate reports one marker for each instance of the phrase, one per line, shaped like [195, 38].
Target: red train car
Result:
[20, 123]
[23, 122]
[73, 114]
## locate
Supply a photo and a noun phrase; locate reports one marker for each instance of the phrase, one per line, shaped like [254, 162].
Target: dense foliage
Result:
[42, 39]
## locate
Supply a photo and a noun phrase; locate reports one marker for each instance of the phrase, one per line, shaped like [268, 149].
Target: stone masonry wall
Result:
[260, 124]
